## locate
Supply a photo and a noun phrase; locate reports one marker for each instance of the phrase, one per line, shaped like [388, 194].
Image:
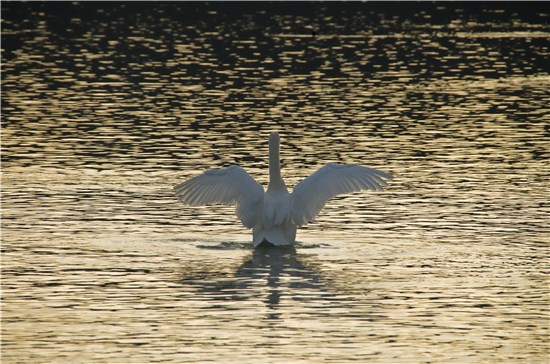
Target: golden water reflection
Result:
[104, 112]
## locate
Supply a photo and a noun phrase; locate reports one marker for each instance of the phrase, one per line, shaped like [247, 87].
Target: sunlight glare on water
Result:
[106, 106]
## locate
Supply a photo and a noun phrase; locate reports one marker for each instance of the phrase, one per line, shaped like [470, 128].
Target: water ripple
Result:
[106, 107]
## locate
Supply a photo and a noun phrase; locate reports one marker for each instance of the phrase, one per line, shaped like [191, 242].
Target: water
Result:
[107, 106]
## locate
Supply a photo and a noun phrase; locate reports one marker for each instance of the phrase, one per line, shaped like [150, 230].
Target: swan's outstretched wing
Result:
[226, 186]
[310, 195]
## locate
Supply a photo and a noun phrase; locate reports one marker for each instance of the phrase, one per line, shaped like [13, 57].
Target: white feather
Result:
[226, 186]
[275, 214]
[310, 195]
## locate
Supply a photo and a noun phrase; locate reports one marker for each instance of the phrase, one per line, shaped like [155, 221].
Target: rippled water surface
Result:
[106, 106]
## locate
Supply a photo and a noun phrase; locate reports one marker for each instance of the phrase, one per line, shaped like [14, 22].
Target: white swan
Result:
[274, 215]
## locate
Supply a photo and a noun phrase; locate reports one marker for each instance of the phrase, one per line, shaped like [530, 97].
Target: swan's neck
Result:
[275, 180]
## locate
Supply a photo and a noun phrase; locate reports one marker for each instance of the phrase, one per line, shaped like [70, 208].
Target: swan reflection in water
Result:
[269, 274]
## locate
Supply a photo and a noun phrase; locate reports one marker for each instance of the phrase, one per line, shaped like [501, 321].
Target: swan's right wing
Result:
[226, 186]
[310, 195]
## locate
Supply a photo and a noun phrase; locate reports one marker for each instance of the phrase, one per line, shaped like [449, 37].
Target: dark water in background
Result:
[105, 106]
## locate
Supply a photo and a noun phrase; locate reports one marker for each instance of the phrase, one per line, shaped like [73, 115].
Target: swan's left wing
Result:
[310, 195]
[226, 186]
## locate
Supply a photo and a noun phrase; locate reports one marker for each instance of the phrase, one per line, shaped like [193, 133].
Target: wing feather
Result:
[310, 195]
[226, 186]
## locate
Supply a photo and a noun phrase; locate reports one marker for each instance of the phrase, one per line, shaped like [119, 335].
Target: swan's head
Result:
[274, 138]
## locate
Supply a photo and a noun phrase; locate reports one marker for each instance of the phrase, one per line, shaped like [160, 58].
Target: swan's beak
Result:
[274, 138]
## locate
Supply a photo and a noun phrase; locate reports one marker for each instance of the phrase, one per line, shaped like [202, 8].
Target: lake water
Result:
[106, 106]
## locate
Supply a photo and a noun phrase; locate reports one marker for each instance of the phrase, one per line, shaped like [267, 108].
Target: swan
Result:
[275, 215]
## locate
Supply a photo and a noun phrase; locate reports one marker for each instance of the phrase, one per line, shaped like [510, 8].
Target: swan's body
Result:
[275, 215]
